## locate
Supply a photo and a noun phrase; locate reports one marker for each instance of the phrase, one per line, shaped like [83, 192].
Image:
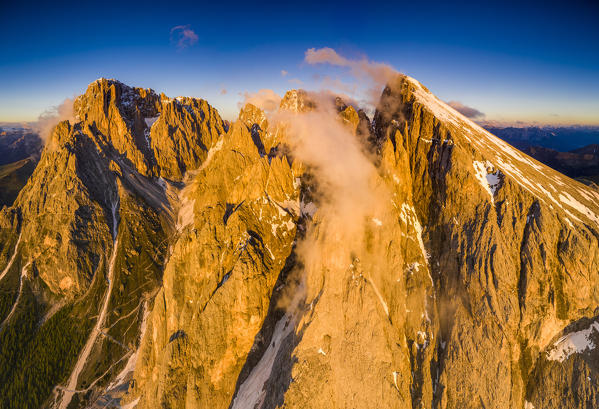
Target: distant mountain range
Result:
[563, 139]
[20, 150]
[573, 151]
[17, 143]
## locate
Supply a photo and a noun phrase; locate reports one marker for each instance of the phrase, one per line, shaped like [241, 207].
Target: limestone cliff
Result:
[86, 241]
[307, 258]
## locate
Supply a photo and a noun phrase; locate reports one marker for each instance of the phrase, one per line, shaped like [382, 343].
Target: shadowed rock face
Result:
[470, 280]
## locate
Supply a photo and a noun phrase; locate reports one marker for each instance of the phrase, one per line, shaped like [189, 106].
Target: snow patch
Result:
[421, 339]
[185, 217]
[573, 343]
[408, 215]
[438, 108]
[488, 179]
[251, 393]
[511, 161]
[150, 121]
[415, 266]
[217, 147]
[272, 256]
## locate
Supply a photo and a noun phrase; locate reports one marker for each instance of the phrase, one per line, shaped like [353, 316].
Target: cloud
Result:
[183, 36]
[371, 75]
[325, 55]
[466, 110]
[335, 83]
[343, 182]
[284, 73]
[327, 98]
[345, 186]
[51, 117]
[265, 99]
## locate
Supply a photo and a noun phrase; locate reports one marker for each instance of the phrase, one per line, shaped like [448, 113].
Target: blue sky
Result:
[512, 61]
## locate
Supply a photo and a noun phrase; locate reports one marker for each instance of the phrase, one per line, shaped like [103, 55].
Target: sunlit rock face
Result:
[307, 257]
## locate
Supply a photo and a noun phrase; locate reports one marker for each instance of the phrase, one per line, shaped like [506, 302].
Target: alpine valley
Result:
[307, 257]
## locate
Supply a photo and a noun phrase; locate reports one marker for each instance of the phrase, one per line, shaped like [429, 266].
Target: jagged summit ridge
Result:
[159, 136]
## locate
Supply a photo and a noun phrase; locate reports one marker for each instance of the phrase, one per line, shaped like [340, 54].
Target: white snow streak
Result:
[565, 198]
[381, 299]
[185, 217]
[408, 215]
[217, 147]
[395, 379]
[14, 306]
[12, 259]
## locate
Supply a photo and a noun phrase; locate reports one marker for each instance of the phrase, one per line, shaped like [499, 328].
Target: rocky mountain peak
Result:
[157, 135]
[297, 101]
[103, 93]
[251, 114]
[165, 259]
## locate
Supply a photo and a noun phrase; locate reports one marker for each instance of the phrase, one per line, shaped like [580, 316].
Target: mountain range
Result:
[310, 257]
[20, 149]
[559, 138]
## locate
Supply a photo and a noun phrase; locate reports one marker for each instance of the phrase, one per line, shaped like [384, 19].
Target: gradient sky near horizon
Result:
[530, 62]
